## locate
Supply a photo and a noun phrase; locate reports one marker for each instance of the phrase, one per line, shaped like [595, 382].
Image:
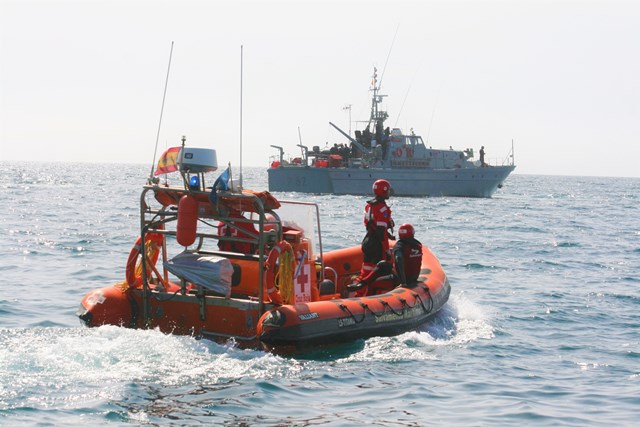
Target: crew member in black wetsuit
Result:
[407, 262]
[407, 255]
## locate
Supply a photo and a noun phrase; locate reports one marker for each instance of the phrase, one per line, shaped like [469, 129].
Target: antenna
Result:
[241, 66]
[348, 107]
[406, 95]
[388, 55]
[166, 83]
[433, 113]
[513, 154]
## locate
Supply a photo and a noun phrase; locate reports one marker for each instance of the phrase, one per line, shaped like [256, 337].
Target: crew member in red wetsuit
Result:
[379, 225]
[248, 232]
[407, 255]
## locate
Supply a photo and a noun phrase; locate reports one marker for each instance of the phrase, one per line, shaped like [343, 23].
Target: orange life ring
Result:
[409, 151]
[398, 152]
[150, 239]
[270, 276]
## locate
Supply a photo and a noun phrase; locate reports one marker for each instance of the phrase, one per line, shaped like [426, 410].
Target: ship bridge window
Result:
[414, 140]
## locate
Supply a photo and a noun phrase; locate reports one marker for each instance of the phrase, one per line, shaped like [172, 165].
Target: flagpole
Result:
[166, 83]
[241, 59]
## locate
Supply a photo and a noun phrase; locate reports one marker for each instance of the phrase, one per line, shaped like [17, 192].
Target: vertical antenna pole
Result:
[348, 107]
[388, 55]
[513, 154]
[166, 83]
[241, 66]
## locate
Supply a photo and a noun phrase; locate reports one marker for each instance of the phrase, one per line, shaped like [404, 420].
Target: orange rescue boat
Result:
[286, 294]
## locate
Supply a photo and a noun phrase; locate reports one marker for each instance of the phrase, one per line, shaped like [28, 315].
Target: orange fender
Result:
[187, 220]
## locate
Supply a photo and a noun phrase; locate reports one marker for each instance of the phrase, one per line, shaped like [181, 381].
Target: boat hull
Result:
[457, 182]
[207, 316]
[324, 323]
[330, 320]
[328, 323]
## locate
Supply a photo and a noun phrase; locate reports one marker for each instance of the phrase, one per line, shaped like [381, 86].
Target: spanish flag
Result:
[168, 161]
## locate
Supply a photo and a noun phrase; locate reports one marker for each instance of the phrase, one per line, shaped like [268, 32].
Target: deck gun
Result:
[360, 147]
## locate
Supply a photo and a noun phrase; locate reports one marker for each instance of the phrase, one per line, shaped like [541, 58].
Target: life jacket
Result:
[411, 251]
[377, 214]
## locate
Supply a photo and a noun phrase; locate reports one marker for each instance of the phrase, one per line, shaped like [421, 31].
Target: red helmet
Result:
[382, 188]
[406, 231]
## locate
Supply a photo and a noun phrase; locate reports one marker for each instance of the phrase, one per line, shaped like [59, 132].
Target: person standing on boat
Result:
[379, 225]
[407, 255]
[385, 142]
[482, 164]
[366, 137]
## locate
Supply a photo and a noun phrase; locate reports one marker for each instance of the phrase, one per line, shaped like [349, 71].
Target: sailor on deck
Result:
[379, 225]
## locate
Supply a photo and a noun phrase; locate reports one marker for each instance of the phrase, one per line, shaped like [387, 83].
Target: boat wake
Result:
[459, 322]
[70, 368]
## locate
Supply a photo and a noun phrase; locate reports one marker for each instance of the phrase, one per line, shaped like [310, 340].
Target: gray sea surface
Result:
[542, 327]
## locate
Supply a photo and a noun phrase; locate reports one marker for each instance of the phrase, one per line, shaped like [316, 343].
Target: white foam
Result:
[458, 323]
[67, 367]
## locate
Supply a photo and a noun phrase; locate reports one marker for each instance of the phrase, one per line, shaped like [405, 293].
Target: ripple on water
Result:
[541, 327]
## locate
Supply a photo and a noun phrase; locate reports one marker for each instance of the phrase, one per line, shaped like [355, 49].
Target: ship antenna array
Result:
[433, 113]
[406, 95]
[377, 84]
[166, 83]
[388, 55]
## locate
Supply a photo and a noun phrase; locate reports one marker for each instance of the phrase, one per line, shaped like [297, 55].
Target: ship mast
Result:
[377, 116]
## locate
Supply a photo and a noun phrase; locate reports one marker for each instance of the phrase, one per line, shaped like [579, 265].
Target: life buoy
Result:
[152, 245]
[397, 152]
[409, 151]
[281, 253]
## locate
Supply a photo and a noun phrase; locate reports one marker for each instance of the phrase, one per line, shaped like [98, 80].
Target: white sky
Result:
[83, 80]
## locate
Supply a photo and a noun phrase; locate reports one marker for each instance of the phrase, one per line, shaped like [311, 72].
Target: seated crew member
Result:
[248, 232]
[407, 256]
[378, 281]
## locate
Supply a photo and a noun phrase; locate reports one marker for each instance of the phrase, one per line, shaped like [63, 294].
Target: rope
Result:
[365, 307]
[364, 313]
[386, 305]
[284, 276]
[151, 251]
[122, 286]
[417, 297]
[169, 298]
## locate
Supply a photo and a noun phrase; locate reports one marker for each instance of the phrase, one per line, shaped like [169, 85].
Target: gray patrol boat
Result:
[412, 168]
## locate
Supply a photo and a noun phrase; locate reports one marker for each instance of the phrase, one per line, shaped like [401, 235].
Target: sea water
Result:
[542, 327]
